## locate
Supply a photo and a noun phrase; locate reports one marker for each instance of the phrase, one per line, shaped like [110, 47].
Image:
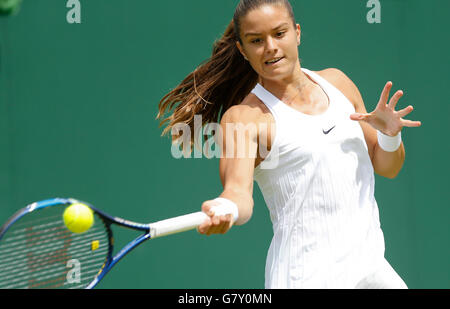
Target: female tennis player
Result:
[320, 192]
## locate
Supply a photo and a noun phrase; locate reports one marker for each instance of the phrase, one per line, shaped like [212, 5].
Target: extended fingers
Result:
[385, 94]
[359, 117]
[394, 100]
[410, 123]
[402, 113]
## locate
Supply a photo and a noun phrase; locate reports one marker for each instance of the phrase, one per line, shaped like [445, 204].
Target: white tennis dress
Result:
[320, 194]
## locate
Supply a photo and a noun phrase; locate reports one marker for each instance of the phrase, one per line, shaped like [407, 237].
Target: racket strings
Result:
[44, 279]
[15, 250]
[43, 258]
[40, 252]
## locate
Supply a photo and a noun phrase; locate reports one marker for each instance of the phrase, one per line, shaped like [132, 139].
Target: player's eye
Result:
[256, 41]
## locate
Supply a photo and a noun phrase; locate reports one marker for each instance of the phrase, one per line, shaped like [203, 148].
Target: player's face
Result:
[270, 41]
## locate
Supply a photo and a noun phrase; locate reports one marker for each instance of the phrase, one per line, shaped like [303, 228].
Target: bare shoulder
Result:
[343, 83]
[250, 110]
[336, 77]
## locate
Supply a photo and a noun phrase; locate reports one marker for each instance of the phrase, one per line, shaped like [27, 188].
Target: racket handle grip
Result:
[190, 221]
[177, 224]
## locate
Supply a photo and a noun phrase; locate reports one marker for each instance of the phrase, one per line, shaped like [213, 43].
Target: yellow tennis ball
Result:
[78, 218]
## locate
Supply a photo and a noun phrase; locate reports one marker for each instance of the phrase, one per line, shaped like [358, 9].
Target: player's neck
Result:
[297, 84]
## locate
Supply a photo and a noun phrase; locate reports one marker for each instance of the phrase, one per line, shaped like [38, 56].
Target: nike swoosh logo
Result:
[326, 132]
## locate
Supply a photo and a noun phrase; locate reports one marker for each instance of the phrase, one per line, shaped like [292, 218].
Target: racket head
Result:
[37, 250]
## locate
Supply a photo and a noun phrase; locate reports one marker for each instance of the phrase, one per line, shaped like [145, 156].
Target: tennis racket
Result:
[37, 250]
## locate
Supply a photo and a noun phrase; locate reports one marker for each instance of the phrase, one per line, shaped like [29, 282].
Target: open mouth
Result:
[274, 61]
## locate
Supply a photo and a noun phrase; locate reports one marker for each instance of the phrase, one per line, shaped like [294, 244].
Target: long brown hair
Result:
[218, 83]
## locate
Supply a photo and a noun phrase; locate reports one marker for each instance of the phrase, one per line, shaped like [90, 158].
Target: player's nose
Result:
[271, 45]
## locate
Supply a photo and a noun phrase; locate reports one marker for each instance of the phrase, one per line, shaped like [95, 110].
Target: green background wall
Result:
[77, 119]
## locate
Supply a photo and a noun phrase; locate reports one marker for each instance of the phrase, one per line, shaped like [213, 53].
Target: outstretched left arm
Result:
[384, 119]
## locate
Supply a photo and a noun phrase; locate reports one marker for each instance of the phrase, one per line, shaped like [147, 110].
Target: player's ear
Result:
[241, 50]
[298, 31]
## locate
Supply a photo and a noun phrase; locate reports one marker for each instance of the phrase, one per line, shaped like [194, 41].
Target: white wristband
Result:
[225, 207]
[389, 143]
